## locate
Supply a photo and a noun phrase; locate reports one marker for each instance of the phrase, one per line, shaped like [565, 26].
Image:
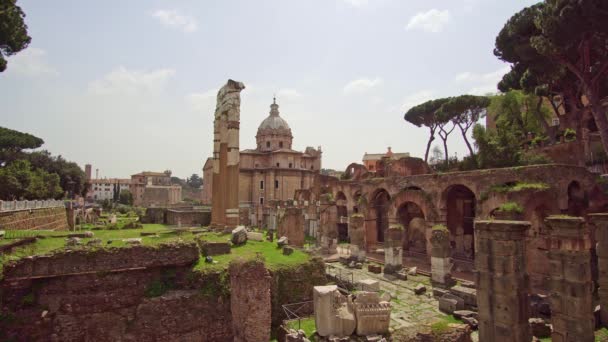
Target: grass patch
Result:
[511, 207]
[601, 335]
[442, 326]
[519, 186]
[306, 324]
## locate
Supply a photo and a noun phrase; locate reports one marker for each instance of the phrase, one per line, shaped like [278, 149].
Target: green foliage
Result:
[19, 180]
[511, 207]
[440, 227]
[13, 31]
[12, 141]
[442, 326]
[125, 197]
[500, 148]
[159, 287]
[72, 177]
[194, 181]
[519, 186]
[569, 134]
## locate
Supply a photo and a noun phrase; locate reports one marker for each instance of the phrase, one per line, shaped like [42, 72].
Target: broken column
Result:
[570, 280]
[225, 183]
[393, 250]
[600, 221]
[441, 263]
[356, 233]
[334, 312]
[501, 280]
[291, 225]
[372, 314]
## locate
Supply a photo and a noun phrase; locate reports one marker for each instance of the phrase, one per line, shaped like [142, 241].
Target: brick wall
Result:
[49, 218]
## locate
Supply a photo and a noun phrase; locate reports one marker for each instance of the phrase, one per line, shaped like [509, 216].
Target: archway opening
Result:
[460, 217]
[412, 218]
[380, 204]
[577, 199]
[342, 217]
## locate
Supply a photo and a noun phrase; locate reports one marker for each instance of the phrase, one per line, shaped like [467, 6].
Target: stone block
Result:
[287, 250]
[334, 313]
[2, 233]
[372, 314]
[214, 248]
[459, 314]
[255, 236]
[374, 268]
[282, 241]
[369, 285]
[447, 305]
[419, 289]
[459, 301]
[239, 235]
[469, 295]
[439, 292]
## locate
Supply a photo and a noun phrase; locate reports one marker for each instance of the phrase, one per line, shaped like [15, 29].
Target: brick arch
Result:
[418, 197]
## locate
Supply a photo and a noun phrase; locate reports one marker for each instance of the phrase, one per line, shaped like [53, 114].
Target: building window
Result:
[276, 184]
[278, 165]
[280, 144]
[312, 167]
[261, 185]
[262, 200]
[268, 144]
[290, 165]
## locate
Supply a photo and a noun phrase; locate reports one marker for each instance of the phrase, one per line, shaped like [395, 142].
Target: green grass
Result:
[601, 335]
[441, 326]
[519, 186]
[273, 256]
[55, 241]
[306, 324]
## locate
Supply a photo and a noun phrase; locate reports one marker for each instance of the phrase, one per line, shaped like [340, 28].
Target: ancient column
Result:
[441, 262]
[501, 279]
[570, 281]
[356, 233]
[225, 184]
[250, 300]
[393, 248]
[600, 221]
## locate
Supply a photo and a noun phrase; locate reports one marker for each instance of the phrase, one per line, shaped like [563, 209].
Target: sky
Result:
[129, 86]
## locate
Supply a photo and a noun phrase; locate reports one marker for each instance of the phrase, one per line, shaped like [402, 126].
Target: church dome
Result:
[274, 132]
[274, 121]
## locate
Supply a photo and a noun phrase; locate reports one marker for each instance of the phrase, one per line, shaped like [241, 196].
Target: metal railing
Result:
[26, 205]
[298, 311]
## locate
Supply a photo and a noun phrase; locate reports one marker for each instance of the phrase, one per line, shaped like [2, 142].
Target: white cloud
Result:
[481, 83]
[361, 85]
[430, 21]
[174, 19]
[31, 62]
[288, 93]
[357, 3]
[203, 101]
[122, 80]
[416, 99]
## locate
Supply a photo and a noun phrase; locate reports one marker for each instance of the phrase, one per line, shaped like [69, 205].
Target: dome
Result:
[274, 133]
[274, 122]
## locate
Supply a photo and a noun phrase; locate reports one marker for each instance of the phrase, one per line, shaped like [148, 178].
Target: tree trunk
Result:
[599, 114]
[428, 145]
[466, 140]
[445, 149]
[543, 122]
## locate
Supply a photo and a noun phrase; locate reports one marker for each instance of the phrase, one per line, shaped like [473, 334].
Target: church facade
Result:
[270, 172]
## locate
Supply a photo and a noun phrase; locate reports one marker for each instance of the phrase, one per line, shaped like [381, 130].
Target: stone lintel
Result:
[566, 226]
[501, 225]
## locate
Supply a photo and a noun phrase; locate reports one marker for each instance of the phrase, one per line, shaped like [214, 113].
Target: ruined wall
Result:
[250, 301]
[571, 153]
[188, 217]
[141, 294]
[49, 218]
[129, 294]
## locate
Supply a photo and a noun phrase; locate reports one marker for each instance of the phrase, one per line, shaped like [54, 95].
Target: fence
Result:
[26, 205]
[298, 311]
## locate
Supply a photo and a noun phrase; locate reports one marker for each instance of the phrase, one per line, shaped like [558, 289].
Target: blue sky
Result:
[130, 85]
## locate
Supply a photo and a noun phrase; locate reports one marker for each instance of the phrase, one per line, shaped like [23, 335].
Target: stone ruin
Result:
[226, 124]
[337, 315]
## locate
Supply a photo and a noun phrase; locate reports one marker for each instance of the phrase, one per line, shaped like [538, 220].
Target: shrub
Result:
[511, 207]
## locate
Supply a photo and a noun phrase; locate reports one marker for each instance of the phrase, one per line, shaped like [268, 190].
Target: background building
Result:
[272, 171]
[154, 189]
[107, 188]
[371, 160]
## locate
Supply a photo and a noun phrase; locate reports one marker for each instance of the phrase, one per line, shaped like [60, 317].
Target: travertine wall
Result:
[502, 289]
[291, 225]
[571, 285]
[600, 223]
[50, 218]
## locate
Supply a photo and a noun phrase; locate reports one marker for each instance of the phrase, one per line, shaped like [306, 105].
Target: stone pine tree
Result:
[425, 114]
[13, 31]
[464, 111]
[561, 37]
